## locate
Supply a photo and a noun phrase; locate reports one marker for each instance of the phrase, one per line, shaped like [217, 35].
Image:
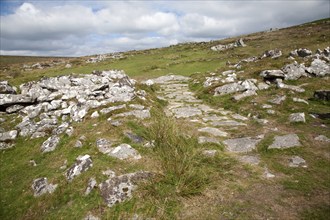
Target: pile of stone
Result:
[41, 103]
[97, 59]
[221, 47]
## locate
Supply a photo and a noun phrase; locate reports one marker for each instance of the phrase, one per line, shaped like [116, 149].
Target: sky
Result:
[78, 28]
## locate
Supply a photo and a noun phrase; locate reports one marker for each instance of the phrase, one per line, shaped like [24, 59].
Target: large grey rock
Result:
[294, 71]
[11, 99]
[213, 131]
[125, 151]
[50, 144]
[319, 68]
[118, 189]
[40, 186]
[297, 117]
[285, 141]
[322, 95]
[228, 89]
[8, 136]
[5, 88]
[82, 164]
[241, 145]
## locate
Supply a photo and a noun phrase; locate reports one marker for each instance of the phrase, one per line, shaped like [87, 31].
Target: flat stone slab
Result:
[186, 112]
[213, 131]
[124, 151]
[228, 123]
[241, 145]
[285, 141]
[119, 188]
[249, 159]
[50, 144]
[203, 139]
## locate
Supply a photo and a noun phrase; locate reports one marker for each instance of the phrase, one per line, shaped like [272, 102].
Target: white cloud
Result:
[87, 27]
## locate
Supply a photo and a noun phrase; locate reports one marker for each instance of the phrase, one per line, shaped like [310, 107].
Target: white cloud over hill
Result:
[74, 28]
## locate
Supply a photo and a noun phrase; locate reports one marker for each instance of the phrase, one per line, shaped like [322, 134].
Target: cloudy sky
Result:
[76, 28]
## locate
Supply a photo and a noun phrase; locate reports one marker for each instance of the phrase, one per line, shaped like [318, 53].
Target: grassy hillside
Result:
[187, 185]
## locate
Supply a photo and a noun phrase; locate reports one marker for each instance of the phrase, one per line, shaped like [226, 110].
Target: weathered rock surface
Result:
[140, 114]
[203, 139]
[294, 71]
[50, 144]
[250, 159]
[241, 145]
[297, 117]
[213, 131]
[322, 138]
[285, 141]
[220, 47]
[7, 100]
[297, 161]
[8, 136]
[278, 99]
[40, 186]
[82, 164]
[4, 145]
[272, 75]
[118, 189]
[124, 151]
[319, 68]
[5, 88]
[90, 186]
[271, 53]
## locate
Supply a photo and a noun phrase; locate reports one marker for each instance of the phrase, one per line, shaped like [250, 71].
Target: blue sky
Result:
[76, 28]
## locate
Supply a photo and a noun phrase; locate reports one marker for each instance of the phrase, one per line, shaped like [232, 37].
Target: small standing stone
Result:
[90, 186]
[40, 186]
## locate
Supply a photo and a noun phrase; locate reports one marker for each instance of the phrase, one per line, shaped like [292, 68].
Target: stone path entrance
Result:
[213, 125]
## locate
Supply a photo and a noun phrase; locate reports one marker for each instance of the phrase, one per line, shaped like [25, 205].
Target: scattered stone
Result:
[68, 65]
[272, 75]
[7, 100]
[8, 136]
[281, 85]
[267, 174]
[253, 160]
[270, 111]
[90, 186]
[112, 108]
[209, 153]
[294, 71]
[266, 106]
[322, 138]
[303, 52]
[50, 144]
[148, 82]
[319, 68]
[136, 106]
[220, 47]
[69, 131]
[14, 108]
[91, 217]
[213, 131]
[297, 117]
[278, 99]
[134, 138]
[241, 145]
[239, 117]
[109, 173]
[33, 163]
[322, 95]
[4, 145]
[124, 151]
[271, 53]
[118, 189]
[103, 145]
[285, 141]
[5, 88]
[245, 94]
[115, 123]
[40, 186]
[64, 166]
[297, 161]
[202, 140]
[78, 144]
[263, 86]
[300, 100]
[95, 114]
[82, 164]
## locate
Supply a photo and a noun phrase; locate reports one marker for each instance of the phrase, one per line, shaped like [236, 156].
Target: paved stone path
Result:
[213, 125]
